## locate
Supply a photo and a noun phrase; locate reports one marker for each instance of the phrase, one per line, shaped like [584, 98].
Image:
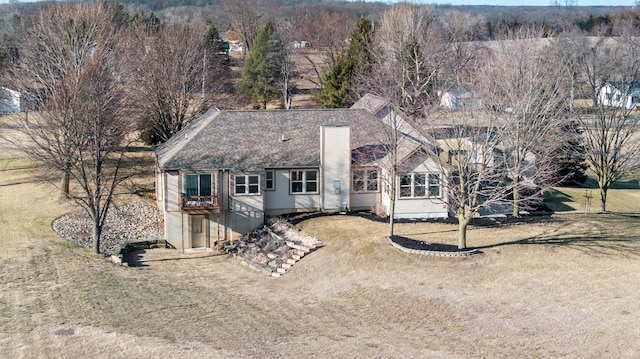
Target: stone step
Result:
[300, 248]
[290, 261]
[275, 275]
[295, 257]
[280, 270]
[286, 265]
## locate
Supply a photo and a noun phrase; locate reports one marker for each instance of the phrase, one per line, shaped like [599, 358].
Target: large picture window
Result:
[304, 181]
[419, 185]
[365, 180]
[198, 184]
[247, 184]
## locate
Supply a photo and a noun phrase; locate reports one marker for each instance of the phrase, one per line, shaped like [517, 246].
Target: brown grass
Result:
[565, 286]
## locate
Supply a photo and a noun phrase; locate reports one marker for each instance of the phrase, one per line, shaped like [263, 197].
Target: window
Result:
[434, 185]
[247, 184]
[198, 185]
[270, 183]
[417, 185]
[365, 180]
[304, 181]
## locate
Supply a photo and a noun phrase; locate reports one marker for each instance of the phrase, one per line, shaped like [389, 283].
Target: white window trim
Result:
[304, 181]
[211, 184]
[365, 178]
[246, 185]
[273, 180]
[427, 185]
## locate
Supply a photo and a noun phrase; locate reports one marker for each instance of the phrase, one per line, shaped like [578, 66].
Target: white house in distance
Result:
[619, 94]
[10, 101]
[228, 171]
[460, 99]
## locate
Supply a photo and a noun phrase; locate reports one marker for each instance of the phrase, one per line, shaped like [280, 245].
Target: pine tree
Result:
[571, 158]
[261, 76]
[339, 83]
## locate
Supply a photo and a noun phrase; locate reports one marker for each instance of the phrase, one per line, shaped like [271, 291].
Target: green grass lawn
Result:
[622, 197]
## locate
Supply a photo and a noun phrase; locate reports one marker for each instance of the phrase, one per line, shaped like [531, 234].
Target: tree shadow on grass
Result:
[137, 258]
[585, 241]
[592, 242]
[557, 201]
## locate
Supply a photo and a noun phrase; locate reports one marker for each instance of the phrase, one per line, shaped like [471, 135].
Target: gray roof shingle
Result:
[249, 141]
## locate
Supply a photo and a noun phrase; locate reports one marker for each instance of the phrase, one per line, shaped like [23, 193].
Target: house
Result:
[460, 98]
[619, 94]
[299, 44]
[10, 101]
[228, 171]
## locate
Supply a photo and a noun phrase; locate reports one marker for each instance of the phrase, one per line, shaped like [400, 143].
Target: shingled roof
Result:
[250, 141]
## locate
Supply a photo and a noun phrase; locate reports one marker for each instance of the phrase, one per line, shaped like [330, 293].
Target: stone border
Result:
[462, 254]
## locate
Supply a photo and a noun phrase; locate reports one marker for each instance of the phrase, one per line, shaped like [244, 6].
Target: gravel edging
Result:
[137, 221]
[447, 254]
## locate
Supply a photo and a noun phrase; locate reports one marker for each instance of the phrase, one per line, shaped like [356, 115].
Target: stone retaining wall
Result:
[460, 254]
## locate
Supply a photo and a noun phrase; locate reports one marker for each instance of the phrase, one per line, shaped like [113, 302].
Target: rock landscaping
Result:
[274, 249]
[134, 222]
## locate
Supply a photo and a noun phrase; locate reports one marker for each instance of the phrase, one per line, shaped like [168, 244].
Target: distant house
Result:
[300, 44]
[619, 94]
[228, 171]
[10, 101]
[460, 98]
[236, 46]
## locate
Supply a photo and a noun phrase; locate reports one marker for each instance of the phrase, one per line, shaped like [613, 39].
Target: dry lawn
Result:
[563, 287]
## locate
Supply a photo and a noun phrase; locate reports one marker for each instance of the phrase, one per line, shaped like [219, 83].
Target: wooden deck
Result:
[199, 204]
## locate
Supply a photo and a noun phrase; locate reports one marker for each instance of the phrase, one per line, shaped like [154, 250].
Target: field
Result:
[559, 286]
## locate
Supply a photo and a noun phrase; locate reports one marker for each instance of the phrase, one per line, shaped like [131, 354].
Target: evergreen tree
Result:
[261, 76]
[213, 41]
[339, 83]
[571, 158]
[335, 84]
[359, 49]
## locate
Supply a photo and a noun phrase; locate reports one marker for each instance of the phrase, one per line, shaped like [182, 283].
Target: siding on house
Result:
[319, 146]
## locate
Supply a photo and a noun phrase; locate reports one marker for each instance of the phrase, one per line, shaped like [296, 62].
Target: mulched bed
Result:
[424, 246]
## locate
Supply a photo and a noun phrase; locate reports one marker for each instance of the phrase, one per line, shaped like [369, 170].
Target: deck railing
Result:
[200, 203]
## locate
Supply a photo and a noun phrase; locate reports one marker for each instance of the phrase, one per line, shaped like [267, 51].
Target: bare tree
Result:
[611, 146]
[463, 54]
[77, 60]
[169, 80]
[329, 32]
[525, 93]
[470, 156]
[403, 74]
[247, 17]
[610, 142]
[591, 59]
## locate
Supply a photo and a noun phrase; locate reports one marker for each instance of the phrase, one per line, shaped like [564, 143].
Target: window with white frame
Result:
[247, 184]
[304, 181]
[365, 180]
[198, 184]
[434, 185]
[270, 180]
[419, 185]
